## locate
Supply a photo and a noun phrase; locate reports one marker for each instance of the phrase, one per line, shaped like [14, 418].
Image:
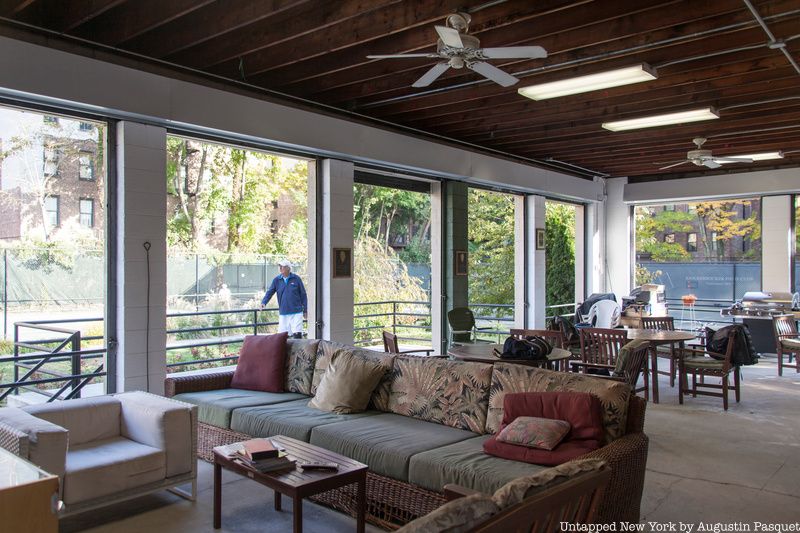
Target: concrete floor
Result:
[705, 465]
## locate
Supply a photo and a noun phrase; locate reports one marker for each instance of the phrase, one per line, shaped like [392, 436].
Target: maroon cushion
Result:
[261, 363]
[582, 410]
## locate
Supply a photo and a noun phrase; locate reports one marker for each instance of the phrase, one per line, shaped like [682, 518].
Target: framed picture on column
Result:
[461, 263]
[540, 238]
[342, 262]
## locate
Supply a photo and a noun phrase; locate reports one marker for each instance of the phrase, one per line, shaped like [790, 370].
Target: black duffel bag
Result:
[531, 349]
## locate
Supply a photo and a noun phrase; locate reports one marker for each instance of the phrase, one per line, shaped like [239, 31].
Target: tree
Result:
[491, 247]
[720, 223]
[559, 253]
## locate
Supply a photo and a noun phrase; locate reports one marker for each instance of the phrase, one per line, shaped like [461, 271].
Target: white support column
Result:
[141, 217]
[337, 232]
[617, 239]
[776, 243]
[437, 302]
[534, 219]
[314, 236]
[580, 256]
[520, 251]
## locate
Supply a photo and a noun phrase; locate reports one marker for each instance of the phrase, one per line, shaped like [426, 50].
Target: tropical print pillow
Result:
[325, 353]
[452, 393]
[458, 516]
[535, 432]
[510, 377]
[300, 357]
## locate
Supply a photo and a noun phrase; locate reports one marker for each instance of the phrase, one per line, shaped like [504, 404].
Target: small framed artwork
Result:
[461, 263]
[342, 262]
[540, 238]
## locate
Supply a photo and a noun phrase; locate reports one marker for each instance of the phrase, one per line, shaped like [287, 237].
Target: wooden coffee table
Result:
[294, 483]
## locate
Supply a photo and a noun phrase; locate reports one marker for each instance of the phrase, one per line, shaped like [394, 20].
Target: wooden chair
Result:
[702, 363]
[787, 341]
[663, 323]
[574, 501]
[554, 337]
[390, 345]
[600, 348]
[630, 369]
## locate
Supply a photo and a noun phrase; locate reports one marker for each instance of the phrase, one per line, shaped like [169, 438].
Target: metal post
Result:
[394, 317]
[76, 362]
[255, 321]
[196, 282]
[5, 294]
[16, 357]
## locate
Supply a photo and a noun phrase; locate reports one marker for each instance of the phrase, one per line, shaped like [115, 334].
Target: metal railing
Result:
[41, 357]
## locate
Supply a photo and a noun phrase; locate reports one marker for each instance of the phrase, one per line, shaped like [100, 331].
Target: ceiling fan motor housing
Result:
[459, 55]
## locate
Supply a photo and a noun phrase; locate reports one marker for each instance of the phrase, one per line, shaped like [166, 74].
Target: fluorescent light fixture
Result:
[761, 156]
[591, 82]
[682, 117]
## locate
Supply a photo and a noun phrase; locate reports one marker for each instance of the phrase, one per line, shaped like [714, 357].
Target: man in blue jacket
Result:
[292, 300]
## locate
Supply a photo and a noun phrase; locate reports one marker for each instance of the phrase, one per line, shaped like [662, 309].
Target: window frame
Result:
[57, 211]
[691, 243]
[90, 158]
[90, 214]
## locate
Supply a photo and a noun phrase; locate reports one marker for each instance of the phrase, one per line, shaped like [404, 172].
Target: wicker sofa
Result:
[425, 428]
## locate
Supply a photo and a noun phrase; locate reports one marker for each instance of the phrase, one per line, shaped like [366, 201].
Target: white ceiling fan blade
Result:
[493, 73]
[449, 36]
[430, 76]
[710, 163]
[515, 52]
[733, 160]
[400, 56]
[674, 164]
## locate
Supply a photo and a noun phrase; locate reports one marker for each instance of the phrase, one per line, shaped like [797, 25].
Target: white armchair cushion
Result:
[47, 442]
[162, 423]
[86, 419]
[109, 467]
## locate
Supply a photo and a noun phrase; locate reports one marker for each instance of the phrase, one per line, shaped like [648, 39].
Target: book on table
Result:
[270, 464]
[258, 449]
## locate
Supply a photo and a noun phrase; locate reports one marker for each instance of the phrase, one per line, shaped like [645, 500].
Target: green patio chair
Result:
[462, 326]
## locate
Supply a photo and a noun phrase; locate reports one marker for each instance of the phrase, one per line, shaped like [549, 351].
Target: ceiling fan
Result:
[703, 158]
[459, 50]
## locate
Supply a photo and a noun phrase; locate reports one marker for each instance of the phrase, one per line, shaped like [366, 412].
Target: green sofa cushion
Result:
[215, 406]
[386, 442]
[292, 419]
[466, 464]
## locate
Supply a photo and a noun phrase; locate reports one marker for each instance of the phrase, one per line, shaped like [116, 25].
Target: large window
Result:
[711, 249]
[52, 262]
[392, 263]
[560, 256]
[491, 260]
[232, 214]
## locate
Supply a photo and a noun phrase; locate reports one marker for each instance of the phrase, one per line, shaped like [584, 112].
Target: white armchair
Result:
[107, 448]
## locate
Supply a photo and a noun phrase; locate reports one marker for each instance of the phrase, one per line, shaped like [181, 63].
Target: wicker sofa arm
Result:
[196, 383]
[622, 498]
[14, 440]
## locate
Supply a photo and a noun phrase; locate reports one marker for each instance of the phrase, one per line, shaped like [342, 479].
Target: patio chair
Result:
[787, 341]
[664, 323]
[462, 326]
[600, 348]
[604, 314]
[705, 363]
[631, 362]
[390, 345]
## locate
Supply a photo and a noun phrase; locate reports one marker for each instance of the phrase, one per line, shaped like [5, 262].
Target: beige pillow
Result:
[458, 516]
[518, 489]
[347, 384]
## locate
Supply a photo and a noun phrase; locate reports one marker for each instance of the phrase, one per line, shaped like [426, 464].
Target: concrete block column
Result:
[457, 227]
[336, 232]
[535, 267]
[776, 243]
[141, 217]
[438, 328]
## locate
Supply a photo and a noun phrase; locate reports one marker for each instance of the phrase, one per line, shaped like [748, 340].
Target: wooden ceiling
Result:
[707, 53]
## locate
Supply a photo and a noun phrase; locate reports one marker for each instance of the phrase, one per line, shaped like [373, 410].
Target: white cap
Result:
[284, 263]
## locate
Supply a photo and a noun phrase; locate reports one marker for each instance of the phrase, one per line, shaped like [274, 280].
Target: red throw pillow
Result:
[582, 410]
[261, 363]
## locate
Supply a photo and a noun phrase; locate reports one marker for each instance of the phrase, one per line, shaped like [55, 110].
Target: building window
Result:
[86, 126]
[669, 207]
[669, 238]
[273, 226]
[50, 120]
[274, 204]
[51, 211]
[52, 159]
[86, 166]
[691, 242]
[87, 212]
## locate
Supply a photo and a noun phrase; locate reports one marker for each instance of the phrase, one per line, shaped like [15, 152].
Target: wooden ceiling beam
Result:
[311, 21]
[132, 19]
[689, 171]
[65, 16]
[578, 48]
[210, 22]
[348, 60]
[8, 8]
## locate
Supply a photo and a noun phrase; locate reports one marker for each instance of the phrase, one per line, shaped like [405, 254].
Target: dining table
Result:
[658, 337]
[485, 353]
